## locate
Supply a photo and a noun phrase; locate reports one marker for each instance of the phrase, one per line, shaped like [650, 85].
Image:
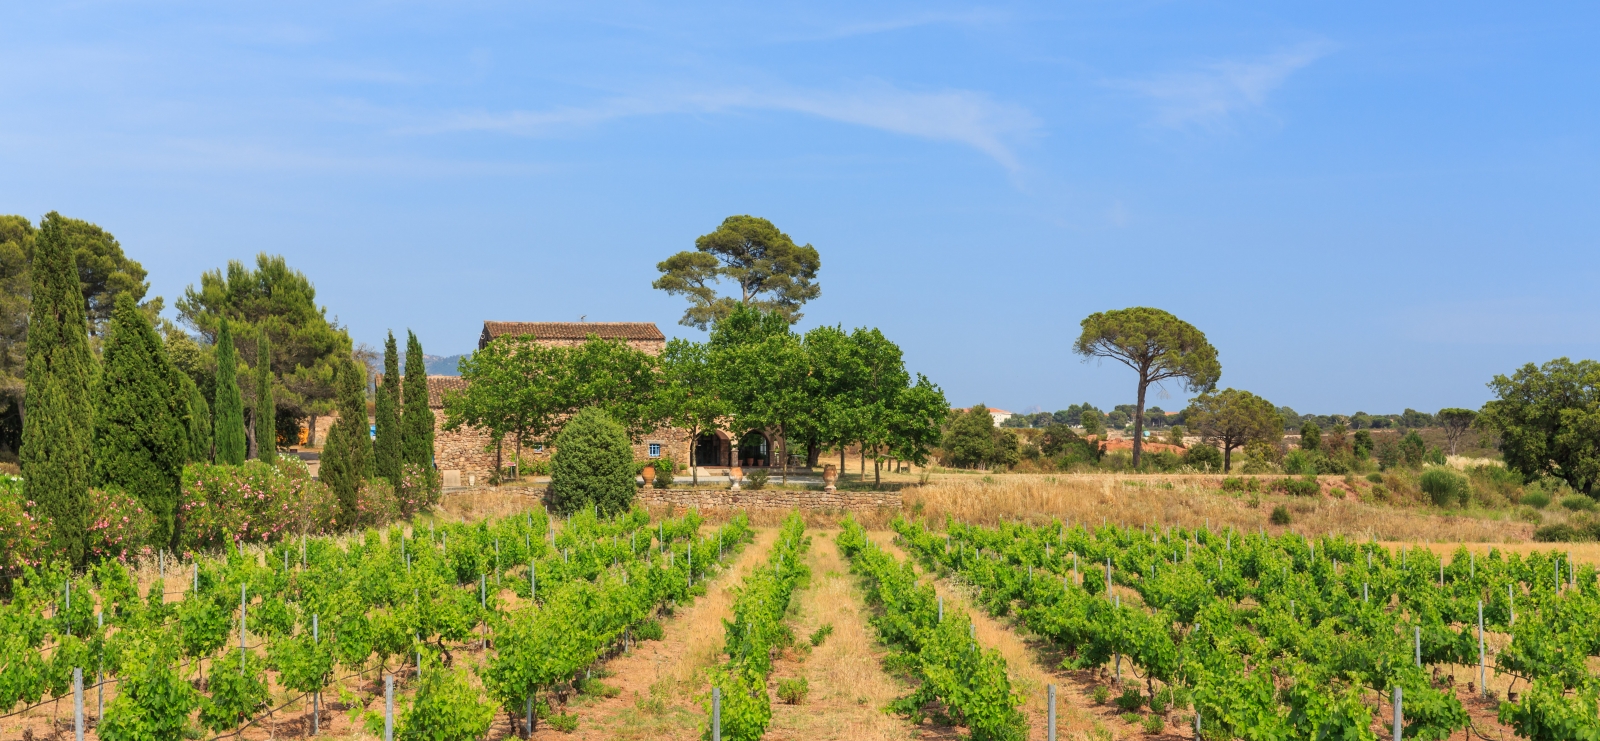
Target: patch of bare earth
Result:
[663, 682]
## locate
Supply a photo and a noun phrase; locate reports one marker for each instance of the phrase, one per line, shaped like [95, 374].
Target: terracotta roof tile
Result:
[439, 385]
[575, 330]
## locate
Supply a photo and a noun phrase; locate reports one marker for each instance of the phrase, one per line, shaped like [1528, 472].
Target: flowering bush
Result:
[120, 528]
[375, 504]
[21, 534]
[419, 489]
[256, 502]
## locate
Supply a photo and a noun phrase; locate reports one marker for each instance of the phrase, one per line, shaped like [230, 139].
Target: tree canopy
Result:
[1548, 418]
[1233, 419]
[280, 302]
[1456, 422]
[771, 271]
[1156, 345]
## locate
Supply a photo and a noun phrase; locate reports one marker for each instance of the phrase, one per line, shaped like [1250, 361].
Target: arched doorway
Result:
[708, 450]
[753, 450]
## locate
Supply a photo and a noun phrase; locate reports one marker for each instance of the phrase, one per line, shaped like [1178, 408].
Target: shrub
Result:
[1131, 719]
[1380, 492]
[793, 691]
[119, 527]
[255, 501]
[1536, 498]
[664, 470]
[22, 535]
[1300, 462]
[1130, 700]
[1529, 514]
[1301, 487]
[596, 688]
[1375, 477]
[1330, 465]
[1203, 456]
[649, 630]
[821, 634]
[1559, 532]
[1280, 515]
[376, 504]
[1445, 487]
[1154, 724]
[1101, 694]
[1161, 460]
[564, 722]
[419, 490]
[756, 480]
[1578, 503]
[592, 465]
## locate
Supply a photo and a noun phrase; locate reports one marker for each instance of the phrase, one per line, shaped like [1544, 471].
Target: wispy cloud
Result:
[1213, 94]
[960, 116]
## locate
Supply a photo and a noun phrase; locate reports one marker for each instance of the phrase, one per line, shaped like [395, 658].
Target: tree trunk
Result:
[518, 477]
[499, 446]
[311, 431]
[783, 478]
[877, 469]
[1227, 457]
[694, 465]
[1138, 422]
[863, 449]
[814, 451]
[250, 437]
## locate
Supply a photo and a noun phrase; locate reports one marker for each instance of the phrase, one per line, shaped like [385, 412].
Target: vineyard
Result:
[527, 605]
[1274, 637]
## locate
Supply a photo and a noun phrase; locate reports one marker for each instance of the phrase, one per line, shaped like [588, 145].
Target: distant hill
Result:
[445, 366]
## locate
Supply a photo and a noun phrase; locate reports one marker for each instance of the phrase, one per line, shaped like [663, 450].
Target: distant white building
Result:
[1000, 415]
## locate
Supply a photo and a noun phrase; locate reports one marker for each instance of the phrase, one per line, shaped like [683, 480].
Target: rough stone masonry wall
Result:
[771, 499]
[467, 450]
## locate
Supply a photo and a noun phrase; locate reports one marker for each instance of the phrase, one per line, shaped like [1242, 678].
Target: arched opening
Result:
[709, 450]
[753, 450]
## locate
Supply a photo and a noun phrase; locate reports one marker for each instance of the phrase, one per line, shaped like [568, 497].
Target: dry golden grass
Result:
[662, 681]
[848, 685]
[1188, 501]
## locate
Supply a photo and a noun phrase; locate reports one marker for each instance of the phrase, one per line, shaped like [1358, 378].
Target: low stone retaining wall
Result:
[771, 499]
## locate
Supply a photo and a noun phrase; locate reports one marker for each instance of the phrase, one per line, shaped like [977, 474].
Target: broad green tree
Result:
[228, 420]
[1548, 418]
[592, 465]
[969, 442]
[264, 414]
[1310, 436]
[57, 428]
[689, 396]
[140, 435]
[1156, 345]
[771, 271]
[416, 421]
[1231, 419]
[272, 298]
[1456, 422]
[761, 366]
[386, 452]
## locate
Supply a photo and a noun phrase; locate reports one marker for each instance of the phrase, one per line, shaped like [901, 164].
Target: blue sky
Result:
[1366, 206]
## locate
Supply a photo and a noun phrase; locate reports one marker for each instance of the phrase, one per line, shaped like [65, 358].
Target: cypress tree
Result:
[416, 438]
[347, 456]
[386, 451]
[199, 420]
[266, 414]
[58, 419]
[140, 436]
[228, 423]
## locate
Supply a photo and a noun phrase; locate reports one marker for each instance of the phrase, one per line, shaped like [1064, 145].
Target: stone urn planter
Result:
[649, 474]
[830, 474]
[734, 474]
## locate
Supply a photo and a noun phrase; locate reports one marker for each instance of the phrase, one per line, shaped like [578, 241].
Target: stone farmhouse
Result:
[467, 455]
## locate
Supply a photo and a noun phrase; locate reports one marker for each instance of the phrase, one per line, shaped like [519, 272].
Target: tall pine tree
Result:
[416, 437]
[266, 412]
[386, 451]
[347, 456]
[228, 420]
[57, 428]
[140, 435]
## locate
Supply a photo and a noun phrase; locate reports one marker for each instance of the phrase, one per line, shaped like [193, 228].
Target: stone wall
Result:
[771, 499]
[468, 452]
